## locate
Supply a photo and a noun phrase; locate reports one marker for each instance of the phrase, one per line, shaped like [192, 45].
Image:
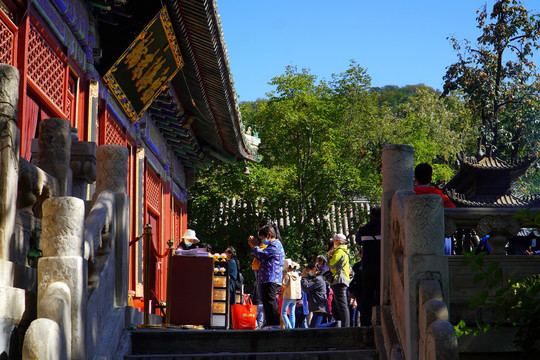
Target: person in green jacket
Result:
[340, 268]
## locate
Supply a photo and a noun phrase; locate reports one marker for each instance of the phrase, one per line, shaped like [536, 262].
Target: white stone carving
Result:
[98, 222]
[111, 172]
[424, 218]
[43, 341]
[56, 305]
[442, 342]
[398, 162]
[9, 174]
[72, 270]
[55, 151]
[500, 229]
[63, 226]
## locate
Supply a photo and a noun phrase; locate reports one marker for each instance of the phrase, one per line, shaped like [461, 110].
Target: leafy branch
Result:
[513, 303]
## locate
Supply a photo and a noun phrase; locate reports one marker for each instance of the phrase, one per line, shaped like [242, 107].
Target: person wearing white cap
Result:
[188, 240]
[340, 268]
[290, 292]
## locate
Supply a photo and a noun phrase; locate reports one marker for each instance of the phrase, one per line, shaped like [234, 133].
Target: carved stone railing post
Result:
[9, 155]
[398, 164]
[54, 154]
[423, 259]
[62, 242]
[438, 338]
[83, 167]
[112, 174]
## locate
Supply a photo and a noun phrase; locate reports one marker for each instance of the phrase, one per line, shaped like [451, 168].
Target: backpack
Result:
[239, 281]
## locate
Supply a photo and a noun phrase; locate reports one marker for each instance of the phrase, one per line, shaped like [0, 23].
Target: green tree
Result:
[305, 138]
[321, 143]
[393, 96]
[438, 129]
[499, 80]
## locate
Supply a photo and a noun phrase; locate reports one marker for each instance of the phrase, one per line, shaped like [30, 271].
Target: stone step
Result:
[278, 355]
[167, 341]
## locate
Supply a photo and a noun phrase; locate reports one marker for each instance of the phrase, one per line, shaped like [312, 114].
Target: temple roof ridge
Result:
[496, 163]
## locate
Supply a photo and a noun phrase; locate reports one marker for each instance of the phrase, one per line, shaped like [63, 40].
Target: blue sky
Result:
[398, 42]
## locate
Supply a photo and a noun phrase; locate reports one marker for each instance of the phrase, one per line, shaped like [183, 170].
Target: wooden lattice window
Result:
[45, 67]
[177, 218]
[7, 36]
[71, 100]
[114, 134]
[153, 192]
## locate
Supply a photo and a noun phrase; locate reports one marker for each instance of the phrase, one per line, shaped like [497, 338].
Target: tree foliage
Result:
[499, 80]
[321, 143]
[512, 302]
[393, 96]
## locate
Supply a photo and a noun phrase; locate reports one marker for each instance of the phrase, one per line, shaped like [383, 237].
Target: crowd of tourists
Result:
[327, 292]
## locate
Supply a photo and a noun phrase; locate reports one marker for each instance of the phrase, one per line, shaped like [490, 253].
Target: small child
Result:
[290, 292]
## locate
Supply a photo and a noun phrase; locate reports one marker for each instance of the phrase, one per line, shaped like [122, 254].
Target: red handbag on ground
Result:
[244, 315]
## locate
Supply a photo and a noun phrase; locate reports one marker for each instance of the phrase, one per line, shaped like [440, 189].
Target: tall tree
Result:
[499, 79]
[321, 143]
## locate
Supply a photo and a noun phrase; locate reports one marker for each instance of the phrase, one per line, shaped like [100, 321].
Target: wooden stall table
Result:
[191, 290]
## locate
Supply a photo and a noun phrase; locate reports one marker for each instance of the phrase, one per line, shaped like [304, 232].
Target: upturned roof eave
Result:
[205, 82]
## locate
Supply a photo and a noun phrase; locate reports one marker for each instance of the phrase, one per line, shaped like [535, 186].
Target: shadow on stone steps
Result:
[331, 343]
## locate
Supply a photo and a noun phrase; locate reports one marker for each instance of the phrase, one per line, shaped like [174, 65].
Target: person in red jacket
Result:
[422, 181]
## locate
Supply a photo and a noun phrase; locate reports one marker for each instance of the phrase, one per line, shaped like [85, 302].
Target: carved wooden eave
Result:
[516, 168]
[493, 201]
[205, 82]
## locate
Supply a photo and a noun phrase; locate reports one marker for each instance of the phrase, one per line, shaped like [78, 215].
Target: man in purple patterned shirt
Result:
[270, 272]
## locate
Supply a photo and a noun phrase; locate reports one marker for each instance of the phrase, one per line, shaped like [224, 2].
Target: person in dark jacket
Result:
[369, 237]
[233, 272]
[314, 285]
[355, 292]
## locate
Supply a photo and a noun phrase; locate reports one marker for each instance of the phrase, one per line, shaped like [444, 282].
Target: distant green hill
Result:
[393, 95]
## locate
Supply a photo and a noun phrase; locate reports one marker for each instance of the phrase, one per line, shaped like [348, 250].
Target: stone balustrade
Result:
[414, 269]
[35, 186]
[74, 306]
[500, 223]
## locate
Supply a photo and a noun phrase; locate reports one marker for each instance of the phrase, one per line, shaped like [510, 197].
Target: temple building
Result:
[487, 183]
[152, 76]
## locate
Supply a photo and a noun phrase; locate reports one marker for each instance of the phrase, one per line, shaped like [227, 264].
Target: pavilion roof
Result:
[487, 175]
[517, 167]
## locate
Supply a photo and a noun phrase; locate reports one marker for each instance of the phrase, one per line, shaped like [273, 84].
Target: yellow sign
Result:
[146, 67]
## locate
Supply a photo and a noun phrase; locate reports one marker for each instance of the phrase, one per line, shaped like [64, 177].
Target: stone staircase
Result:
[312, 344]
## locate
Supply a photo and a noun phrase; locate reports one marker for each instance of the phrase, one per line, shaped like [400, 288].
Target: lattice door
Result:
[45, 68]
[153, 192]
[114, 134]
[7, 36]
